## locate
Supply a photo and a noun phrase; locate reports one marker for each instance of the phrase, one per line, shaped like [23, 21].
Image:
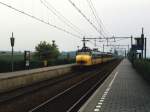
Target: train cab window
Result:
[83, 53]
[84, 50]
[96, 55]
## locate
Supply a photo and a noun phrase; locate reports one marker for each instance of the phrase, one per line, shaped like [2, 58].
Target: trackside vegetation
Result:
[143, 67]
[19, 64]
[44, 51]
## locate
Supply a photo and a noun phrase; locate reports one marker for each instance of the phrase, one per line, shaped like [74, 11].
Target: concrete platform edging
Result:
[14, 80]
[97, 95]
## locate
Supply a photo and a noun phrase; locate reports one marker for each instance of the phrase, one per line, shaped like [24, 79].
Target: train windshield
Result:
[80, 53]
[84, 50]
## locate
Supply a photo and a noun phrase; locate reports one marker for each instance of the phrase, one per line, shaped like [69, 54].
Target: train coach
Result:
[88, 57]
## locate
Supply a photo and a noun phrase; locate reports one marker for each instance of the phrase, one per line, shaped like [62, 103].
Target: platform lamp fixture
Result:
[53, 43]
[78, 47]
[12, 41]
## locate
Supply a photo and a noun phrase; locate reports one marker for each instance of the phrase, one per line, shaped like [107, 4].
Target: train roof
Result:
[94, 51]
[99, 52]
[85, 49]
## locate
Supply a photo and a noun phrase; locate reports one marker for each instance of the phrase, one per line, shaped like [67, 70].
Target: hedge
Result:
[143, 67]
[5, 66]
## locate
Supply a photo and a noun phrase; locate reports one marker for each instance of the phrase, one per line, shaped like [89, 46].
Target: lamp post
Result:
[78, 47]
[53, 43]
[12, 41]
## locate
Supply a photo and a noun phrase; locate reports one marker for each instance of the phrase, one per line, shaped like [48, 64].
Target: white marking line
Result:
[106, 92]
[98, 106]
[107, 89]
[104, 95]
[102, 98]
[96, 110]
[100, 103]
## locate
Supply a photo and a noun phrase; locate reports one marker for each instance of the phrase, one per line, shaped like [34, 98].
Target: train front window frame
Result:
[83, 53]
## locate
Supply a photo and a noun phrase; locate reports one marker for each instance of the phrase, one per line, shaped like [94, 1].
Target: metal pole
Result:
[107, 41]
[142, 37]
[53, 43]
[131, 41]
[125, 53]
[145, 47]
[103, 47]
[95, 42]
[12, 41]
[12, 59]
[78, 48]
[83, 41]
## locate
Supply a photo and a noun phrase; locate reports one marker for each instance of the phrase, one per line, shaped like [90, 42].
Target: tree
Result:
[47, 51]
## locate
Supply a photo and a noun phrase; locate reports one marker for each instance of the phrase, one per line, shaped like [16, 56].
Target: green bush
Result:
[5, 66]
[143, 67]
[19, 64]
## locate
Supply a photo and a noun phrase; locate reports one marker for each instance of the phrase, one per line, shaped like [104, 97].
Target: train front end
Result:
[83, 60]
[84, 57]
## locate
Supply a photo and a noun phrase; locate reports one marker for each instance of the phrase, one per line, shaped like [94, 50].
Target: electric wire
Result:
[95, 16]
[61, 17]
[38, 19]
[85, 17]
[54, 26]
[102, 26]
[121, 39]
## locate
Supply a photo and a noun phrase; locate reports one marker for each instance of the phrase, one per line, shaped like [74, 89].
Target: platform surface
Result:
[123, 91]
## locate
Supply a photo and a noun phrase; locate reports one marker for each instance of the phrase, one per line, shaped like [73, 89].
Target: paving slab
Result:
[123, 91]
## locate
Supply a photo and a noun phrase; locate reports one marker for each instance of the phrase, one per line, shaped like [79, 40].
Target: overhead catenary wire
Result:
[95, 16]
[41, 20]
[61, 17]
[99, 21]
[121, 39]
[85, 17]
[38, 19]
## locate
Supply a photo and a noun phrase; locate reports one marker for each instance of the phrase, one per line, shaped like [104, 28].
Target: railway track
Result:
[65, 94]
[88, 86]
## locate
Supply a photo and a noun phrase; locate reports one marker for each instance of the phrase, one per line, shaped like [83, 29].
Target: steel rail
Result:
[32, 88]
[59, 94]
[90, 90]
[71, 88]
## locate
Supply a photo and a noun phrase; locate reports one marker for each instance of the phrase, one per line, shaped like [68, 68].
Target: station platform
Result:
[123, 91]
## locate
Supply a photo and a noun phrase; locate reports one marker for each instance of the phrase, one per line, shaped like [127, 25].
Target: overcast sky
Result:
[120, 17]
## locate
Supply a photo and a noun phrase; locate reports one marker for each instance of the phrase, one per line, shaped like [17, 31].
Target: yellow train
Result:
[87, 57]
